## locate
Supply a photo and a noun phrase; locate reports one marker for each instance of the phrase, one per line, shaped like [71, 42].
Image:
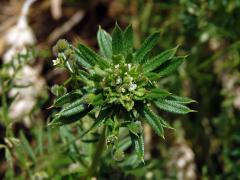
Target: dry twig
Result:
[66, 27]
[56, 9]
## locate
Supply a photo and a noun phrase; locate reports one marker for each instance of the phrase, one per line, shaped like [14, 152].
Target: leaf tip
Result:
[177, 46]
[191, 110]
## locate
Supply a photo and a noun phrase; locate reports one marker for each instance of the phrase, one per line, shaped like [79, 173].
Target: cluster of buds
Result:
[123, 84]
[65, 55]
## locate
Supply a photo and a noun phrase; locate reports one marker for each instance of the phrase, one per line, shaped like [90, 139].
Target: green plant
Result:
[120, 86]
[9, 81]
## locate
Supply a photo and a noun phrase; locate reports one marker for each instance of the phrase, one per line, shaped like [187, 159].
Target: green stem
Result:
[97, 155]
[4, 105]
[6, 121]
[5, 117]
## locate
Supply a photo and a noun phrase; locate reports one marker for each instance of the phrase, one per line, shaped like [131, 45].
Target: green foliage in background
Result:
[208, 31]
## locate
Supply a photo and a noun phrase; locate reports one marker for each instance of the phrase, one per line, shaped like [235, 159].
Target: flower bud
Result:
[68, 53]
[139, 127]
[118, 155]
[62, 45]
[58, 90]
[111, 140]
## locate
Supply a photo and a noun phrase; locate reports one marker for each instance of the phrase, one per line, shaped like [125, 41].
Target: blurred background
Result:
[205, 145]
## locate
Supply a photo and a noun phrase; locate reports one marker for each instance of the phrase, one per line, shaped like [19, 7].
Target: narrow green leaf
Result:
[153, 76]
[152, 119]
[138, 144]
[69, 67]
[181, 100]
[158, 60]
[85, 78]
[117, 40]
[157, 93]
[105, 43]
[73, 111]
[147, 45]
[172, 66]
[146, 57]
[164, 123]
[124, 144]
[40, 139]
[98, 100]
[88, 55]
[27, 146]
[128, 39]
[81, 61]
[133, 128]
[99, 71]
[73, 104]
[131, 161]
[67, 98]
[62, 120]
[50, 141]
[172, 106]
[91, 57]
[9, 158]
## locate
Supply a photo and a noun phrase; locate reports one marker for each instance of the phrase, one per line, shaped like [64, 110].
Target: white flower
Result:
[56, 62]
[123, 90]
[132, 87]
[119, 80]
[129, 66]
[60, 59]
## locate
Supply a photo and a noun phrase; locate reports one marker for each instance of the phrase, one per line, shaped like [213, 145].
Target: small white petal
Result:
[123, 90]
[129, 66]
[119, 80]
[132, 87]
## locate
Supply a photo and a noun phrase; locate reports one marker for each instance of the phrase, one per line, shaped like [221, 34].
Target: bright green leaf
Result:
[128, 39]
[172, 66]
[157, 93]
[158, 60]
[91, 57]
[138, 143]
[67, 98]
[152, 119]
[62, 120]
[82, 61]
[181, 100]
[27, 147]
[117, 40]
[105, 43]
[172, 106]
[135, 128]
[147, 45]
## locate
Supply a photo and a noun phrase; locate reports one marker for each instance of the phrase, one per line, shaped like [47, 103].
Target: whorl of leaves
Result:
[121, 83]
